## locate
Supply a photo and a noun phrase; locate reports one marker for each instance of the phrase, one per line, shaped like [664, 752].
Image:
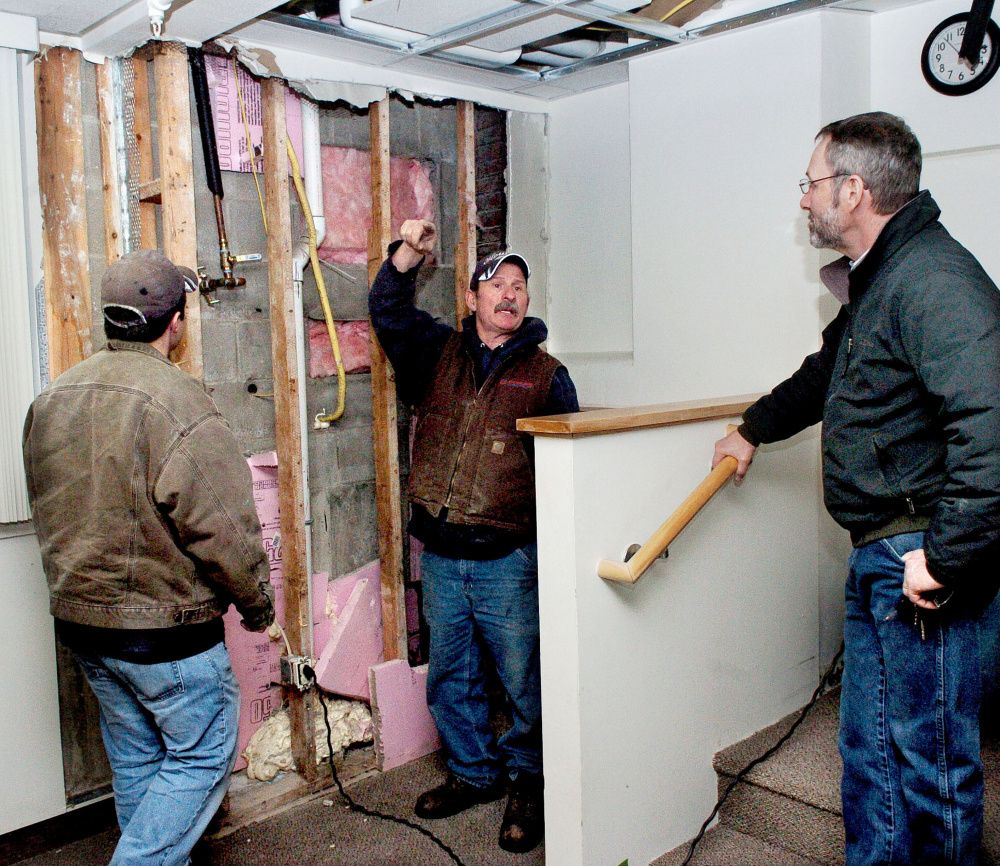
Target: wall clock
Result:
[941, 66]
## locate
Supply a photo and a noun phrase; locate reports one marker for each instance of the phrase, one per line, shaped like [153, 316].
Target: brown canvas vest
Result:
[467, 454]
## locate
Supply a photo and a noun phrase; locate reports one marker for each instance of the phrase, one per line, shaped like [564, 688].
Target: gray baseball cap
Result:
[143, 285]
[487, 267]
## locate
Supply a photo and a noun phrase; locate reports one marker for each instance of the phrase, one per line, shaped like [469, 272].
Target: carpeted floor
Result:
[324, 831]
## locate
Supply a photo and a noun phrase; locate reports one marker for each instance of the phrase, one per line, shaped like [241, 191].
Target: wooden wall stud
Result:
[388, 500]
[465, 249]
[180, 236]
[65, 255]
[288, 429]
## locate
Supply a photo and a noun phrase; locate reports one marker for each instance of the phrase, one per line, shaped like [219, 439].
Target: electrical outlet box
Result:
[297, 672]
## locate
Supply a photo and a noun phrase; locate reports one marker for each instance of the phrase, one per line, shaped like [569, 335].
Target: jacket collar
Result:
[532, 332]
[911, 219]
[141, 348]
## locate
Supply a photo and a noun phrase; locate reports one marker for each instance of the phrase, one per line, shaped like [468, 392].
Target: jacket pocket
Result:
[911, 467]
[504, 486]
[887, 468]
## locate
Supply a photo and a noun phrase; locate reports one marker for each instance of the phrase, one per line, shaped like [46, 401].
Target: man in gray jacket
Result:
[144, 511]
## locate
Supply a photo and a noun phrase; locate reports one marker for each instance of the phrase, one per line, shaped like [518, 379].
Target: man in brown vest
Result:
[473, 506]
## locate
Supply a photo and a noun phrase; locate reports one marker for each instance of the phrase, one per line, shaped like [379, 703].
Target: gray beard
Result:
[824, 230]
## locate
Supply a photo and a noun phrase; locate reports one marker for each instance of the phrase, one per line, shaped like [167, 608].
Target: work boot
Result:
[524, 818]
[455, 796]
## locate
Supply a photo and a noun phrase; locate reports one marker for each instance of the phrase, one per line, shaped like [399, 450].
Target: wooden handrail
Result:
[631, 571]
[595, 422]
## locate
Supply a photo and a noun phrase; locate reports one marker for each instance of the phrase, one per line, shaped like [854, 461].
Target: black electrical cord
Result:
[742, 773]
[357, 807]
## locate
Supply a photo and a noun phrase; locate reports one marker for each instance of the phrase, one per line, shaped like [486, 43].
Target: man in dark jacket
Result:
[144, 511]
[907, 387]
[472, 493]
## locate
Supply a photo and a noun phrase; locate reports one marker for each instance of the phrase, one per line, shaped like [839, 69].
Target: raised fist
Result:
[419, 235]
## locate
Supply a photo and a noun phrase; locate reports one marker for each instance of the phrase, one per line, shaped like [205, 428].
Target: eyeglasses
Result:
[806, 184]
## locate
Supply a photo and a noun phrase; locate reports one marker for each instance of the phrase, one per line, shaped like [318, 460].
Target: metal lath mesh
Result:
[129, 167]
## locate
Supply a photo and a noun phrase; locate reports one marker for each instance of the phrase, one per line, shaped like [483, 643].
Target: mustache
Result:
[506, 307]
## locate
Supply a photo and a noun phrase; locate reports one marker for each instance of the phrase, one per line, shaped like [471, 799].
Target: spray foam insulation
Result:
[269, 751]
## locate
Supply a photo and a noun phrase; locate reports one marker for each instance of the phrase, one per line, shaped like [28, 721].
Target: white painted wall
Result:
[725, 296]
[590, 299]
[643, 684]
[940, 122]
[31, 770]
[528, 201]
[722, 269]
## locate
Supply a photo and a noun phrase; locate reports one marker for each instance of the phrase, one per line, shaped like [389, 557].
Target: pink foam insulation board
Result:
[255, 656]
[355, 642]
[402, 724]
[355, 349]
[347, 200]
[230, 133]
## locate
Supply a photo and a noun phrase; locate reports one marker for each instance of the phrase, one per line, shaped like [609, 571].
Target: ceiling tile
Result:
[59, 16]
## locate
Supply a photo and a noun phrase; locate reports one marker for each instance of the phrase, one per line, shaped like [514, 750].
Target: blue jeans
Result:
[909, 722]
[472, 606]
[170, 733]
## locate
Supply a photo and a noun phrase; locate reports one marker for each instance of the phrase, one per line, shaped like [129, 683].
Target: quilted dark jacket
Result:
[907, 385]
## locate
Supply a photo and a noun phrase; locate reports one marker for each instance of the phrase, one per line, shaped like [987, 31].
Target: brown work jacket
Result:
[141, 498]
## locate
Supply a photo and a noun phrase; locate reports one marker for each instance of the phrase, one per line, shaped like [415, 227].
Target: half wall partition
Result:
[643, 683]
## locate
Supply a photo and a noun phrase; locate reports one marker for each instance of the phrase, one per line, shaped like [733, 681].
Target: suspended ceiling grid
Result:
[113, 28]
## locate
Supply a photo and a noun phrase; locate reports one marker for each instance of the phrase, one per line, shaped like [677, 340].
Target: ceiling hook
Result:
[156, 10]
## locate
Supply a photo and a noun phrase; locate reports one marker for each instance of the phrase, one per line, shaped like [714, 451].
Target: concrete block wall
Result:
[236, 332]
[237, 352]
[341, 457]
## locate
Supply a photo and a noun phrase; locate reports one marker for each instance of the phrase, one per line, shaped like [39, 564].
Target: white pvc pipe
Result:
[405, 37]
[313, 182]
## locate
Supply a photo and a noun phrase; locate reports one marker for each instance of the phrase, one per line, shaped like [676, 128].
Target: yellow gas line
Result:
[321, 420]
[246, 130]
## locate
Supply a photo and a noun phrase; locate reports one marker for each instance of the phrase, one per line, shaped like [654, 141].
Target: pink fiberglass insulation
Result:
[347, 200]
[355, 349]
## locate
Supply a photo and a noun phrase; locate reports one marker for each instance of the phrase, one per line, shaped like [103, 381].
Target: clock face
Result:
[942, 67]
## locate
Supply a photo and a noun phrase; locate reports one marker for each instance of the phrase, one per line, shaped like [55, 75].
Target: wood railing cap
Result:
[594, 422]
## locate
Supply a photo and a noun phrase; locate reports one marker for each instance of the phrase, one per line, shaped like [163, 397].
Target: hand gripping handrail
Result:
[631, 571]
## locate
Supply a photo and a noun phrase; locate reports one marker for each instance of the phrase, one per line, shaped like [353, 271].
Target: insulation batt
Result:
[355, 349]
[269, 751]
[347, 200]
